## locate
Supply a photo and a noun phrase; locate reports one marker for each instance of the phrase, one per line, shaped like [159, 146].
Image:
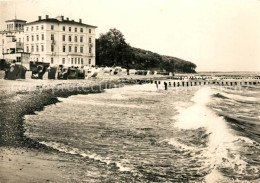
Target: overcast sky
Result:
[217, 35]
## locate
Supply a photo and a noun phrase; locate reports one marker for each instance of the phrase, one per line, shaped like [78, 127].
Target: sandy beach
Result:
[24, 160]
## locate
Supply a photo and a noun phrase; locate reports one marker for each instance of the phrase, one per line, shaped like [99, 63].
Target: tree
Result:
[112, 49]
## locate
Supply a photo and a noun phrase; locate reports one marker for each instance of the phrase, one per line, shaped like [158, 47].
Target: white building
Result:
[52, 40]
[12, 42]
[60, 41]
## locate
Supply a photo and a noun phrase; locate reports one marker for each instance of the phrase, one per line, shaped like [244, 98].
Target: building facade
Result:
[12, 42]
[57, 41]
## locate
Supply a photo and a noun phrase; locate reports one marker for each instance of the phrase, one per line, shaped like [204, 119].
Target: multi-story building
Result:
[12, 42]
[57, 41]
[60, 41]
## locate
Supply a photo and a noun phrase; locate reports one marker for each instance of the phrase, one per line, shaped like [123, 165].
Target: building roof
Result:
[54, 20]
[15, 20]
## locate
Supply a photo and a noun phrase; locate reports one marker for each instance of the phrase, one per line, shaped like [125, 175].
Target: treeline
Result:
[112, 50]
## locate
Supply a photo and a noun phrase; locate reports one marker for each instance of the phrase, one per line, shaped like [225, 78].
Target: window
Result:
[37, 48]
[81, 39]
[51, 60]
[89, 40]
[27, 28]
[37, 27]
[81, 49]
[18, 59]
[3, 41]
[32, 28]
[76, 29]
[89, 31]
[63, 28]
[63, 60]
[64, 48]
[32, 48]
[42, 27]
[19, 39]
[52, 27]
[69, 38]
[42, 48]
[27, 38]
[63, 37]
[89, 61]
[42, 36]
[81, 61]
[52, 48]
[76, 49]
[78, 60]
[76, 39]
[37, 37]
[69, 48]
[27, 49]
[42, 59]
[81, 29]
[70, 29]
[90, 50]
[71, 60]
[52, 37]
[32, 38]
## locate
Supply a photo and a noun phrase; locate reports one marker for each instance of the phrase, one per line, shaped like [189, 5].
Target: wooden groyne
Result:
[187, 83]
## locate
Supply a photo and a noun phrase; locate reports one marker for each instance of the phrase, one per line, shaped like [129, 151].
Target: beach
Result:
[26, 160]
[126, 129]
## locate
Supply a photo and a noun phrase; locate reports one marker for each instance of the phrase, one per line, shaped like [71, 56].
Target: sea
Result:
[149, 134]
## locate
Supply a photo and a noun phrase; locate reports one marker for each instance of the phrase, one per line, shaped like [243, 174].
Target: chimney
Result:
[80, 20]
[68, 19]
[47, 16]
[39, 17]
[62, 17]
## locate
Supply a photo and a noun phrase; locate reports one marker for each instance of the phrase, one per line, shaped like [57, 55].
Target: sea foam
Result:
[221, 137]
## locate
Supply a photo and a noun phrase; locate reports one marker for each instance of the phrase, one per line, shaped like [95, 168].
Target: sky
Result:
[216, 35]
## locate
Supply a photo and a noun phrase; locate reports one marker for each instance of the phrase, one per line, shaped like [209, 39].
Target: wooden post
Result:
[165, 86]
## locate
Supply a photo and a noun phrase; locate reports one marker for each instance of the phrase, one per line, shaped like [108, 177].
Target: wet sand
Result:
[25, 160]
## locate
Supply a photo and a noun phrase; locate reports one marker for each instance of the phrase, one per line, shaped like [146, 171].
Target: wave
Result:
[72, 100]
[218, 95]
[237, 97]
[221, 138]
[176, 143]
[75, 151]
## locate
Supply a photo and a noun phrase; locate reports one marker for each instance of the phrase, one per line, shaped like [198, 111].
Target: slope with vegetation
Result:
[112, 50]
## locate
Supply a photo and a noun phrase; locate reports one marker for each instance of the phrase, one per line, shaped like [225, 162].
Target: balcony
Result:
[15, 45]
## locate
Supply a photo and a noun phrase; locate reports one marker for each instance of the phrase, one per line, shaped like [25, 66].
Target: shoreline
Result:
[29, 97]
